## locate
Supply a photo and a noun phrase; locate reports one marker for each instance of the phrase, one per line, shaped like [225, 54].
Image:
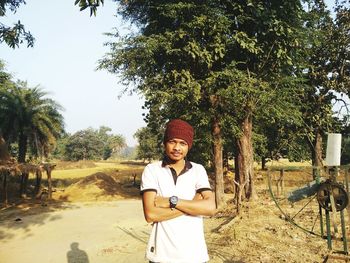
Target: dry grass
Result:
[104, 181]
[74, 170]
[259, 234]
[84, 181]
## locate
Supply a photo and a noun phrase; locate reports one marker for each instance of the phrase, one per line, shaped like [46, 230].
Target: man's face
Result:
[176, 149]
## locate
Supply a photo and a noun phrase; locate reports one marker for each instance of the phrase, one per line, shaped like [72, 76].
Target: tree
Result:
[326, 74]
[5, 82]
[60, 149]
[205, 61]
[15, 35]
[91, 144]
[173, 63]
[84, 145]
[149, 147]
[113, 144]
[29, 118]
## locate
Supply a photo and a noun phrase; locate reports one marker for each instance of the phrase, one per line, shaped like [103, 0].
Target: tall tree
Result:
[84, 145]
[29, 118]
[5, 82]
[148, 145]
[326, 74]
[113, 144]
[91, 144]
[208, 60]
[170, 62]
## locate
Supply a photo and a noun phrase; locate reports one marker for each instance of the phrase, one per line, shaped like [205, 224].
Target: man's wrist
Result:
[173, 200]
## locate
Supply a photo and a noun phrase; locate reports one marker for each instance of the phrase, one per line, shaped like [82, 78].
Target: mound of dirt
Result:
[99, 187]
[65, 165]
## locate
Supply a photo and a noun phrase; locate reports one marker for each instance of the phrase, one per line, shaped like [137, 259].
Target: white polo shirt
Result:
[178, 240]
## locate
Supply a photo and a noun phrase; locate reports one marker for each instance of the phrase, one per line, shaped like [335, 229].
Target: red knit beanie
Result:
[179, 129]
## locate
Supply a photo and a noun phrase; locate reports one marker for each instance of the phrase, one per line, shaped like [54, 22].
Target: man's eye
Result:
[183, 143]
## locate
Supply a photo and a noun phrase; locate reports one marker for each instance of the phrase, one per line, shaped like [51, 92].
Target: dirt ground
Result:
[98, 220]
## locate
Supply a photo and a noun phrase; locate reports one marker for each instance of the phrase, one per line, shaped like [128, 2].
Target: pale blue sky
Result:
[68, 45]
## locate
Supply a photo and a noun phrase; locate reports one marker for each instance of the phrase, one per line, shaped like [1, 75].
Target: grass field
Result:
[74, 170]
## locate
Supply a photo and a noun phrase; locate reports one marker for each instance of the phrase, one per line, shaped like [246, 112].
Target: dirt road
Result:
[100, 232]
[115, 231]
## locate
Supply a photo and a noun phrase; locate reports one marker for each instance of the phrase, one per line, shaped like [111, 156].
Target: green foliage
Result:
[14, 35]
[230, 60]
[29, 118]
[345, 154]
[91, 144]
[206, 60]
[113, 144]
[127, 153]
[324, 76]
[60, 149]
[149, 147]
[84, 145]
[339, 42]
[92, 4]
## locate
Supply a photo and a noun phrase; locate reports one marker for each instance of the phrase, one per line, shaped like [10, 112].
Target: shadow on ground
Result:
[17, 215]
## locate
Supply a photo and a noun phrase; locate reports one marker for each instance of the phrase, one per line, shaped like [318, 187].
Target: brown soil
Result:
[99, 187]
[100, 217]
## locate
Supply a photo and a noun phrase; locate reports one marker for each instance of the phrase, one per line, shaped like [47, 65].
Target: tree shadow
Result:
[20, 215]
[142, 238]
[136, 163]
[76, 255]
[226, 257]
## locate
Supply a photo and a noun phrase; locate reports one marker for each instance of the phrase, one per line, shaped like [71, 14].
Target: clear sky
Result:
[63, 62]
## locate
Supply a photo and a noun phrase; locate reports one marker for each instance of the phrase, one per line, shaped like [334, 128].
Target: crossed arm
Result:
[157, 208]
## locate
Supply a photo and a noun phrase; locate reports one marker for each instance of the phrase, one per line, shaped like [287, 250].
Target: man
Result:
[176, 194]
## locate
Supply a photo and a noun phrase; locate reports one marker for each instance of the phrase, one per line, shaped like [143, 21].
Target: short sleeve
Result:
[148, 180]
[202, 183]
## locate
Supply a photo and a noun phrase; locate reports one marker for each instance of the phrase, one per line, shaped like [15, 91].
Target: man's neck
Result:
[178, 165]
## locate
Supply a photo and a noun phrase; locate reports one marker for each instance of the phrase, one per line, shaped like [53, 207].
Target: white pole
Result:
[333, 149]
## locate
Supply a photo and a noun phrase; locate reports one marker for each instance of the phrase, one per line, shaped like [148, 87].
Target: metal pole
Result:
[321, 220]
[328, 226]
[345, 242]
[347, 190]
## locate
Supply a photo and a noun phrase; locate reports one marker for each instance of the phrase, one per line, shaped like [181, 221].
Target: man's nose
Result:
[177, 146]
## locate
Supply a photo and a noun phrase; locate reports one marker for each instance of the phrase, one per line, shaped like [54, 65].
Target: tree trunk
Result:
[225, 164]
[22, 148]
[49, 183]
[316, 150]
[217, 149]
[245, 158]
[317, 153]
[5, 190]
[238, 182]
[4, 154]
[37, 190]
[23, 185]
[263, 163]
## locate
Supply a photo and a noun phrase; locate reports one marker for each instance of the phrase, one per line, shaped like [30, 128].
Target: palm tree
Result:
[29, 118]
